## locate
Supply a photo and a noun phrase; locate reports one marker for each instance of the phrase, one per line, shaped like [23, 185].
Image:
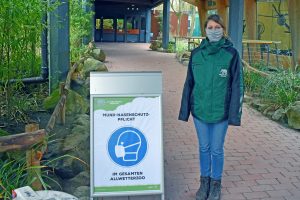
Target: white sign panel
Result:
[127, 145]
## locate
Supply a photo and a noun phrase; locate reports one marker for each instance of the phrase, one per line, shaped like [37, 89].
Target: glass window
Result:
[98, 23]
[108, 24]
[120, 25]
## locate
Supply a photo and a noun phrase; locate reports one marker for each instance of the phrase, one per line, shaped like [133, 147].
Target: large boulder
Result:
[68, 166]
[82, 179]
[278, 114]
[70, 149]
[51, 101]
[82, 192]
[78, 141]
[92, 64]
[98, 54]
[293, 115]
[76, 104]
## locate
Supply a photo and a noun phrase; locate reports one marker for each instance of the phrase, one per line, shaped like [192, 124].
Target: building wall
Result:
[174, 24]
[273, 31]
[156, 22]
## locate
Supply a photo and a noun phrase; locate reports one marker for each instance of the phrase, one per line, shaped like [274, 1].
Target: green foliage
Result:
[3, 132]
[20, 50]
[171, 47]
[181, 46]
[21, 27]
[16, 102]
[155, 45]
[253, 82]
[12, 175]
[80, 27]
[280, 88]
[51, 101]
[20, 54]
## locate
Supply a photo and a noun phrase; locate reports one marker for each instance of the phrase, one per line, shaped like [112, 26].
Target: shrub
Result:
[281, 88]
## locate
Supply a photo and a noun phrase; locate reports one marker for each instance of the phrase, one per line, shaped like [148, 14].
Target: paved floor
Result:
[262, 158]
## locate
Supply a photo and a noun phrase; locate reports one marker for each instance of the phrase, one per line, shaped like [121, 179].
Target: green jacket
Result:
[213, 90]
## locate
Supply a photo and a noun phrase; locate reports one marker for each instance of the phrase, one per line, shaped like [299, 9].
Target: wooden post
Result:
[202, 10]
[222, 10]
[62, 113]
[250, 16]
[294, 16]
[33, 160]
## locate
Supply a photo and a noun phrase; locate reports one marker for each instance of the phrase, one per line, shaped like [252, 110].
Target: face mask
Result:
[214, 35]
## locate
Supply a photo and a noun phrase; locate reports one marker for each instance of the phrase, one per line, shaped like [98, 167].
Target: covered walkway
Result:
[262, 158]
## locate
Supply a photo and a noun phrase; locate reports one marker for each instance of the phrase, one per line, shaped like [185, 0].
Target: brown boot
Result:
[203, 191]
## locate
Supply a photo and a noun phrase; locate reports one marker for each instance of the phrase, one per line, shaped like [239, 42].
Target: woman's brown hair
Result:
[216, 18]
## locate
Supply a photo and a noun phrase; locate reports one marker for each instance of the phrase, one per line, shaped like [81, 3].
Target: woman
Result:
[213, 93]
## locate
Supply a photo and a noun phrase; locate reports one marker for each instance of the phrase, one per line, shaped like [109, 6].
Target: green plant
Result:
[171, 47]
[281, 88]
[253, 82]
[21, 27]
[18, 104]
[80, 27]
[181, 46]
[14, 173]
[20, 52]
[155, 45]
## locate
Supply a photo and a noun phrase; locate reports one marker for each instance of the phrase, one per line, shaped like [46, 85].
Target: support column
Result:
[250, 16]
[59, 43]
[125, 28]
[139, 27]
[202, 15]
[222, 10]
[148, 25]
[236, 13]
[166, 24]
[294, 16]
[115, 26]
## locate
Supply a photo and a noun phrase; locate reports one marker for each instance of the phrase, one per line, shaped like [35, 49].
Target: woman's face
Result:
[212, 25]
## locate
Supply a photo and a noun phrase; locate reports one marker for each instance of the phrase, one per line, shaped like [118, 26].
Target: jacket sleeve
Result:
[185, 107]
[237, 91]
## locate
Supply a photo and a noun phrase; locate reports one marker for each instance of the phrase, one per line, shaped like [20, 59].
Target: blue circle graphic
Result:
[127, 146]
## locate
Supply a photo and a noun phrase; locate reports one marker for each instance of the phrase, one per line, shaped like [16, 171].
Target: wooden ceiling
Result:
[150, 3]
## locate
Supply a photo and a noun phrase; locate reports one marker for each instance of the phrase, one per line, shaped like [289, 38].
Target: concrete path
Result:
[262, 158]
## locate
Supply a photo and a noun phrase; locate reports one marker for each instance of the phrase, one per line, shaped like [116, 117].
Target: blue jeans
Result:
[211, 137]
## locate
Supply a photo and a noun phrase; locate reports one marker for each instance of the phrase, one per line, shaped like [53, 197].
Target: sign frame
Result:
[118, 85]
